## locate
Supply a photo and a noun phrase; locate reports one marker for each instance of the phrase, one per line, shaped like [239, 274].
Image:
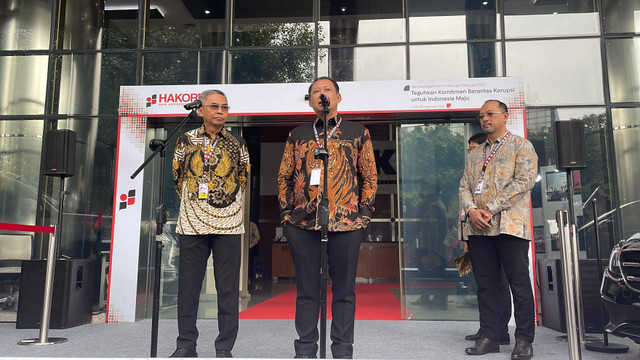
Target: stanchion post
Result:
[44, 338]
[568, 268]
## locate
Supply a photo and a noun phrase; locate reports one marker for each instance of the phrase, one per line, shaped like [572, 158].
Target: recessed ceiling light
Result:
[343, 9]
[485, 3]
[207, 12]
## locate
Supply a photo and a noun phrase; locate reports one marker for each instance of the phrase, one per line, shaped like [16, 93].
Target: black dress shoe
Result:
[342, 357]
[473, 337]
[483, 346]
[223, 354]
[184, 353]
[300, 356]
[504, 339]
[522, 351]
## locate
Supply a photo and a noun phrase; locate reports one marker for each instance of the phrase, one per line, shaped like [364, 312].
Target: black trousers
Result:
[194, 253]
[488, 255]
[343, 250]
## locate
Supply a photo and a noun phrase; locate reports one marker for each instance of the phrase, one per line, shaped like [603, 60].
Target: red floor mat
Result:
[373, 302]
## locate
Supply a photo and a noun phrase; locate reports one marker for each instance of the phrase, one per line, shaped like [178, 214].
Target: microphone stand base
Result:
[611, 348]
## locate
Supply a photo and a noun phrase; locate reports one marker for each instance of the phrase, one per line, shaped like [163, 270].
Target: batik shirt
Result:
[352, 177]
[225, 174]
[508, 180]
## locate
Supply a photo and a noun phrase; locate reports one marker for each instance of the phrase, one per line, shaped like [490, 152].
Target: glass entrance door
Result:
[431, 161]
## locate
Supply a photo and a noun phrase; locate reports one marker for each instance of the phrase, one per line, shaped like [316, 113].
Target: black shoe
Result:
[504, 339]
[184, 353]
[223, 354]
[522, 351]
[473, 337]
[342, 357]
[300, 356]
[483, 346]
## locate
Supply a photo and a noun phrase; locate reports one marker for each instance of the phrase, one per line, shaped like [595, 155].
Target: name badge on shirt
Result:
[479, 187]
[203, 191]
[315, 177]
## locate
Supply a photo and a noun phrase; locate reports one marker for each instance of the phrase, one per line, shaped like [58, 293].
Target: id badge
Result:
[203, 191]
[479, 187]
[315, 177]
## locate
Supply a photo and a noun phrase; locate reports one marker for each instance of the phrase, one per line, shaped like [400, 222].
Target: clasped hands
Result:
[480, 218]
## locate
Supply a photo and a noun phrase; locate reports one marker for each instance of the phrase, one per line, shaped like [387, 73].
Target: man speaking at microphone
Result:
[352, 184]
[210, 168]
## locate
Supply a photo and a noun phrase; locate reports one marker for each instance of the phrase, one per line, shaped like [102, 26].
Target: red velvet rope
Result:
[26, 228]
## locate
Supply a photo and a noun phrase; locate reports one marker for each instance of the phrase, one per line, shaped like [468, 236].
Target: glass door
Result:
[431, 162]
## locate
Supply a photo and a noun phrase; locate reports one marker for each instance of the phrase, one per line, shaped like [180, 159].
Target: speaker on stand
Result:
[570, 156]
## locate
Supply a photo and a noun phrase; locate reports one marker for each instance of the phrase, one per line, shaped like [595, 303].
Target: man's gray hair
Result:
[204, 94]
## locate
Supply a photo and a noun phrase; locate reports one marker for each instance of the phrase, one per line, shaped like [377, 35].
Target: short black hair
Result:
[501, 105]
[335, 84]
[478, 138]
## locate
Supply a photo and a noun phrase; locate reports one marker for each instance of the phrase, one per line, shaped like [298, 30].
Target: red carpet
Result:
[373, 302]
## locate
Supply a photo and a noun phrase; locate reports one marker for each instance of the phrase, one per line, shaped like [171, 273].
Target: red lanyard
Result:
[207, 154]
[315, 132]
[488, 159]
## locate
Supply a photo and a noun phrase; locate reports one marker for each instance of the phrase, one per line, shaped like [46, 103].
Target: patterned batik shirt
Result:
[352, 177]
[508, 180]
[225, 173]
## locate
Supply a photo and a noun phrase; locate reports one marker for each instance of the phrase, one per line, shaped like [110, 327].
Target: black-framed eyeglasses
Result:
[489, 114]
[216, 107]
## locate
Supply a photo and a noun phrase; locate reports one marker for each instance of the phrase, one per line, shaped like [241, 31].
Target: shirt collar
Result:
[223, 133]
[330, 122]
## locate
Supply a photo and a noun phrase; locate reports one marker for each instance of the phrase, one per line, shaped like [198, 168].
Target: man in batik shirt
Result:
[210, 169]
[352, 184]
[494, 194]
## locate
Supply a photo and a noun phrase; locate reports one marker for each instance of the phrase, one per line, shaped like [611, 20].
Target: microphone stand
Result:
[323, 219]
[159, 146]
[603, 345]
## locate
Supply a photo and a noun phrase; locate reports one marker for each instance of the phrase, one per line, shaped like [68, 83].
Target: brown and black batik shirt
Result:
[352, 176]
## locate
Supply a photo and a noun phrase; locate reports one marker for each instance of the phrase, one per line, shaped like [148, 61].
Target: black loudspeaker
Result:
[72, 293]
[551, 280]
[60, 153]
[570, 152]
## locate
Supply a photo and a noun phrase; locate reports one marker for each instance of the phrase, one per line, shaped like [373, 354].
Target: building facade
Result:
[62, 64]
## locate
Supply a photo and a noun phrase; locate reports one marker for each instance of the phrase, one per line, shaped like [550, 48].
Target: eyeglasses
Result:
[489, 114]
[215, 107]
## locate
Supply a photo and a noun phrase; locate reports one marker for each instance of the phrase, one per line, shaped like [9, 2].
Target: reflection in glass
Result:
[79, 93]
[119, 27]
[272, 66]
[623, 69]
[23, 83]
[20, 144]
[432, 158]
[117, 70]
[281, 23]
[446, 61]
[532, 19]
[621, 16]
[626, 136]
[274, 34]
[352, 21]
[452, 20]
[82, 24]
[550, 189]
[185, 24]
[25, 25]
[170, 68]
[379, 63]
[557, 71]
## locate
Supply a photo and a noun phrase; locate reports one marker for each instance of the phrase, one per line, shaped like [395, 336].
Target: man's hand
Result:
[480, 219]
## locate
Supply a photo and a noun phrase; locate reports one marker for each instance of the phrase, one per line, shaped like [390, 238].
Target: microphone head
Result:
[196, 104]
[324, 99]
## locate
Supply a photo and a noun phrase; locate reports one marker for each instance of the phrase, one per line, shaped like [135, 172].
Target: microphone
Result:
[195, 104]
[324, 100]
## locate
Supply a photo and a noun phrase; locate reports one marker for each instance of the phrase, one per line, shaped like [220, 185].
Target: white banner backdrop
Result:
[137, 103]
